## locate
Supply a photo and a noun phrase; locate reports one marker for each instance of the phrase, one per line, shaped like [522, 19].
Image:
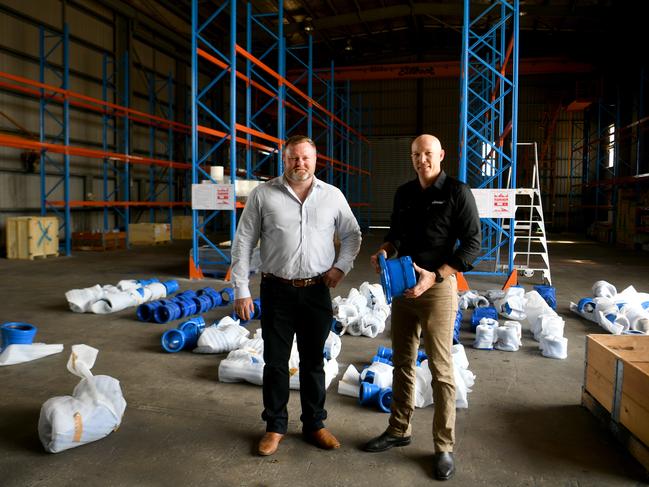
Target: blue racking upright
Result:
[115, 175]
[489, 119]
[55, 172]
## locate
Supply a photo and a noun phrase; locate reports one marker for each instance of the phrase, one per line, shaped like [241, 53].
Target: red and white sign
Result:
[212, 197]
[495, 203]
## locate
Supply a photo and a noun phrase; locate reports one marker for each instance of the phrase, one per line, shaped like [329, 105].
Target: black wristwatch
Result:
[438, 277]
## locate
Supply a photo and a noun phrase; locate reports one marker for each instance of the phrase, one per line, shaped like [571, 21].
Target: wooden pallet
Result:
[635, 447]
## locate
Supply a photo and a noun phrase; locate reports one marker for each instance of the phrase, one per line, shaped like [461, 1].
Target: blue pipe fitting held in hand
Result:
[256, 313]
[371, 395]
[17, 333]
[397, 275]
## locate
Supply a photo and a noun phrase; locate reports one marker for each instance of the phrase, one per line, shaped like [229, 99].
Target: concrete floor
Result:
[524, 425]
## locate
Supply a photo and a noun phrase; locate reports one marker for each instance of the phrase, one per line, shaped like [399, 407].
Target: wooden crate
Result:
[149, 233]
[181, 227]
[617, 379]
[98, 240]
[29, 237]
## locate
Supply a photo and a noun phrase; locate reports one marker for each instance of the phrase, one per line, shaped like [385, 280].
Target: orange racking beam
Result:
[164, 204]
[22, 143]
[214, 60]
[281, 80]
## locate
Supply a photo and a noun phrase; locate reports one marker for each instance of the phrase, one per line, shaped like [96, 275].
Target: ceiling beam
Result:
[455, 9]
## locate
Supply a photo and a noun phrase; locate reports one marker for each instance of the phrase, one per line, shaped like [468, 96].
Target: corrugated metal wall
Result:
[392, 112]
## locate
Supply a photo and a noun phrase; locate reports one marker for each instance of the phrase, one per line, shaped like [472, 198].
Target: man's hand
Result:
[244, 308]
[425, 282]
[333, 276]
[374, 260]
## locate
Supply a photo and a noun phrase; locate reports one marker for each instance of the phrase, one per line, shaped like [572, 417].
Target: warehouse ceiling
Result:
[360, 32]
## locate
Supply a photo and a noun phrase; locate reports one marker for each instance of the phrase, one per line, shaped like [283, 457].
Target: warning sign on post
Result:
[212, 197]
[495, 203]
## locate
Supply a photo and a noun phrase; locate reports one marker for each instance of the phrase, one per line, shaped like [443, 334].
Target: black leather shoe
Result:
[385, 442]
[443, 465]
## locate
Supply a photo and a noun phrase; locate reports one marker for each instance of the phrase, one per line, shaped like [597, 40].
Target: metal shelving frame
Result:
[267, 94]
[489, 118]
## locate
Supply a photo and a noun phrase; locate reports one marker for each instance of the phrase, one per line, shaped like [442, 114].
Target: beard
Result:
[298, 175]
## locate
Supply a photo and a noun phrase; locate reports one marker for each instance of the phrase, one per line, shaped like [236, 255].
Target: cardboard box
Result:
[181, 227]
[149, 233]
[617, 376]
[29, 237]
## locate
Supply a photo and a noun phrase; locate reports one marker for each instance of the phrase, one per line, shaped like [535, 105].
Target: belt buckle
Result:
[300, 282]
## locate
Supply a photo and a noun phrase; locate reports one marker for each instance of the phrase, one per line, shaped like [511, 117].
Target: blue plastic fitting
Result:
[376, 358]
[369, 377]
[213, 294]
[183, 337]
[256, 313]
[144, 282]
[145, 311]
[479, 313]
[227, 295]
[187, 307]
[336, 326]
[384, 352]
[421, 356]
[171, 286]
[397, 275]
[372, 395]
[457, 327]
[549, 294]
[167, 312]
[586, 305]
[17, 333]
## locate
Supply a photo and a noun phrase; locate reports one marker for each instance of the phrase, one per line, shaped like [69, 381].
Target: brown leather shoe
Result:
[322, 439]
[269, 443]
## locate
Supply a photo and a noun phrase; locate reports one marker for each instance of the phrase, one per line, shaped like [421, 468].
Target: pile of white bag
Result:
[93, 411]
[363, 312]
[245, 363]
[350, 383]
[110, 299]
[617, 313]
[545, 325]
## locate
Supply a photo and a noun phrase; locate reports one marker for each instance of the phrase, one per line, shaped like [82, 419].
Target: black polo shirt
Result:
[427, 223]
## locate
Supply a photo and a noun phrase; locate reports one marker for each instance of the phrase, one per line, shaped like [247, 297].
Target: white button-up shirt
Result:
[297, 238]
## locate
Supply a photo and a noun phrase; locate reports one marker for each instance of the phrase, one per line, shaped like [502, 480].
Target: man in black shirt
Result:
[431, 214]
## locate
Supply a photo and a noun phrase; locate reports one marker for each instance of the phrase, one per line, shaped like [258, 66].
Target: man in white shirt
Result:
[296, 217]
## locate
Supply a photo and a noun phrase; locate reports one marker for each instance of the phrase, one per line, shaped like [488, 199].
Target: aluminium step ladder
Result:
[530, 242]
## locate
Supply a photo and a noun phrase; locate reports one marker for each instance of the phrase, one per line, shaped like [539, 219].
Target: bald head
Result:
[428, 140]
[427, 155]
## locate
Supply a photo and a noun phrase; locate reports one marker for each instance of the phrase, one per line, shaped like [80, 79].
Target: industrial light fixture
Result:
[308, 24]
[348, 46]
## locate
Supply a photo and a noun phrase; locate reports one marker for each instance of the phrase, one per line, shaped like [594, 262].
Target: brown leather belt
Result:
[310, 281]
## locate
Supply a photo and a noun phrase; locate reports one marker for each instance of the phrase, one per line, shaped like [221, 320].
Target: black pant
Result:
[305, 312]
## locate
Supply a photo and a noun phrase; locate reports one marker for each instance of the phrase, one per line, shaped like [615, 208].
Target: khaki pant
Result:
[432, 315]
